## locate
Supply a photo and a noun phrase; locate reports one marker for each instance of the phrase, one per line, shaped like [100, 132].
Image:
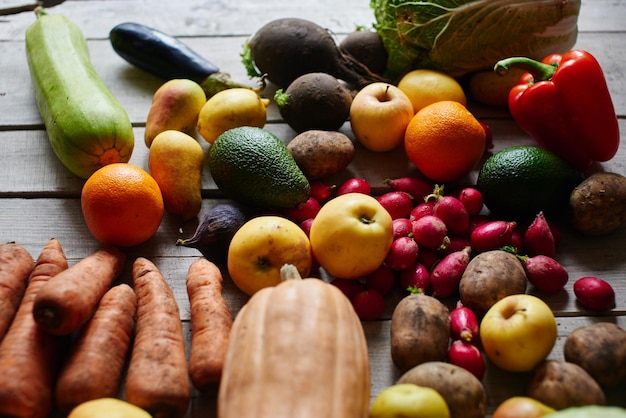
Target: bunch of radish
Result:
[435, 236]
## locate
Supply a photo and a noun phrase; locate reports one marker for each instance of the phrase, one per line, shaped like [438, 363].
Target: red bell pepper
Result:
[565, 105]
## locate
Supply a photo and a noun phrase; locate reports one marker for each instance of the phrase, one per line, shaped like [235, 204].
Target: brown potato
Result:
[463, 392]
[598, 204]
[561, 384]
[420, 331]
[489, 277]
[600, 349]
[321, 154]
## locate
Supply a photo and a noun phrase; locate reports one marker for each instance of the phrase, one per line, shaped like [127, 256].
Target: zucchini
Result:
[86, 125]
[158, 53]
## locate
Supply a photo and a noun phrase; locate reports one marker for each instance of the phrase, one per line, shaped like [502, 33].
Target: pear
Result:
[176, 161]
[175, 105]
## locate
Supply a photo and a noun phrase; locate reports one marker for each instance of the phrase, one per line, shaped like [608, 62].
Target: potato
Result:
[420, 331]
[321, 154]
[489, 277]
[561, 384]
[600, 349]
[598, 204]
[463, 392]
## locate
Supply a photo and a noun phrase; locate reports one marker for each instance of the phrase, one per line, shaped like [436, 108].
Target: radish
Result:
[457, 243]
[430, 232]
[538, 238]
[354, 185]
[453, 213]
[429, 257]
[349, 287]
[321, 191]
[446, 275]
[368, 304]
[594, 293]
[398, 204]
[415, 278]
[382, 279]
[422, 209]
[402, 253]
[472, 199]
[417, 187]
[492, 235]
[467, 356]
[463, 323]
[402, 227]
[304, 211]
[545, 273]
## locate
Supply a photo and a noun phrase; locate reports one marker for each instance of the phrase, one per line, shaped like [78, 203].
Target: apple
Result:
[518, 332]
[522, 407]
[407, 400]
[351, 235]
[261, 247]
[379, 115]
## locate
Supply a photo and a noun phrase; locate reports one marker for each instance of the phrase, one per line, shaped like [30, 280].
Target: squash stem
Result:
[289, 272]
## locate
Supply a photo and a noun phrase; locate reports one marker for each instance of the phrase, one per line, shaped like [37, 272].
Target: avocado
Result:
[255, 168]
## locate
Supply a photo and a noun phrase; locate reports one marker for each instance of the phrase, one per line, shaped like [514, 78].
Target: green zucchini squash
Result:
[87, 127]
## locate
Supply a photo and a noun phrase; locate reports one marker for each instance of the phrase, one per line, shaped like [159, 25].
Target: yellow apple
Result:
[107, 408]
[518, 332]
[379, 115]
[351, 235]
[521, 407]
[407, 400]
[261, 247]
[424, 87]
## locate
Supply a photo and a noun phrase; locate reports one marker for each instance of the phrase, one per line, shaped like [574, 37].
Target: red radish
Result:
[453, 213]
[415, 186]
[446, 275]
[354, 185]
[472, 199]
[463, 323]
[398, 204]
[422, 209]
[545, 273]
[457, 243]
[429, 257]
[538, 238]
[368, 304]
[594, 293]
[382, 279]
[430, 232]
[306, 225]
[304, 211]
[492, 235]
[402, 253]
[517, 241]
[415, 277]
[349, 287]
[488, 135]
[468, 356]
[476, 221]
[402, 227]
[321, 191]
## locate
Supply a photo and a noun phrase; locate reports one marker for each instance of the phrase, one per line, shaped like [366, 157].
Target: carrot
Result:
[157, 378]
[16, 264]
[68, 300]
[30, 357]
[96, 361]
[211, 321]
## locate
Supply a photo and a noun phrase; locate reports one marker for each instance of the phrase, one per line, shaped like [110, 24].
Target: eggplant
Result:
[159, 53]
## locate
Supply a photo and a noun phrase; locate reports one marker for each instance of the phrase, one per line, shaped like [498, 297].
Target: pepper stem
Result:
[539, 70]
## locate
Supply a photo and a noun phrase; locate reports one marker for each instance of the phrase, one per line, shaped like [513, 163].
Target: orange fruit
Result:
[444, 141]
[122, 205]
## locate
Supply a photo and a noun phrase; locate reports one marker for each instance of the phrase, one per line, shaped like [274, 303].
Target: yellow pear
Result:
[108, 408]
[175, 105]
[176, 161]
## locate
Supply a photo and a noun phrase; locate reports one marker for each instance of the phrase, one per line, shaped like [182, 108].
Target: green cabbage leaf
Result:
[463, 36]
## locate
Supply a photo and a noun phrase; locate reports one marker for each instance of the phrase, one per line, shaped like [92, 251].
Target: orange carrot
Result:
[30, 357]
[16, 264]
[157, 379]
[68, 300]
[96, 361]
[211, 321]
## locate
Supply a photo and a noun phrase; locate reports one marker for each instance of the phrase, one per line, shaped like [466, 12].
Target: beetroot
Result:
[367, 47]
[492, 235]
[594, 293]
[463, 323]
[398, 204]
[430, 232]
[402, 253]
[538, 238]
[415, 277]
[446, 275]
[545, 273]
[415, 186]
[468, 356]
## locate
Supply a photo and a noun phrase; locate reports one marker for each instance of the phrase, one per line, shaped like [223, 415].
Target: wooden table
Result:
[39, 198]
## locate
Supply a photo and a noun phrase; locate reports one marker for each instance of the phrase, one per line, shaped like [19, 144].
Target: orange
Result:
[122, 205]
[444, 141]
